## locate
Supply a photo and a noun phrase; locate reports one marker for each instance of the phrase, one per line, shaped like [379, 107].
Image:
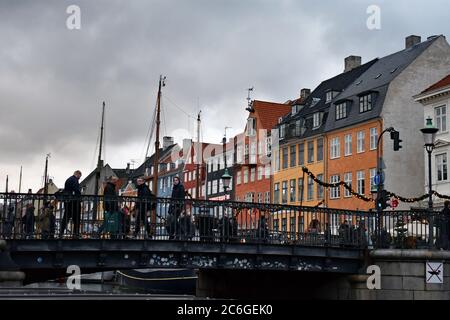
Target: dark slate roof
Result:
[312, 104]
[376, 79]
[149, 162]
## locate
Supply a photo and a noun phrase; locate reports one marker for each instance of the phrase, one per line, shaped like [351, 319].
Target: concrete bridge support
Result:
[403, 277]
[10, 275]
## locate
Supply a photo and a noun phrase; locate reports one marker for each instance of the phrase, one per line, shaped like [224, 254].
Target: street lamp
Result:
[429, 136]
[226, 179]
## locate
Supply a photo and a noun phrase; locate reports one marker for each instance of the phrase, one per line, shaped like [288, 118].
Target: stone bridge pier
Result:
[403, 276]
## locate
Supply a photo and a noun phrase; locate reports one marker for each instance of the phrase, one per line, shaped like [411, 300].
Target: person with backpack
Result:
[175, 208]
[146, 202]
[111, 222]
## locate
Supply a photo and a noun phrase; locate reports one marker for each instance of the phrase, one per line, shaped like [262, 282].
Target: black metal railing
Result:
[37, 216]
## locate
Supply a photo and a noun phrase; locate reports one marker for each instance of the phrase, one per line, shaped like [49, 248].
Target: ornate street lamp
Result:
[429, 136]
[226, 179]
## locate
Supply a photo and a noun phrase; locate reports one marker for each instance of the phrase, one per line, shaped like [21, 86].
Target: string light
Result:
[363, 197]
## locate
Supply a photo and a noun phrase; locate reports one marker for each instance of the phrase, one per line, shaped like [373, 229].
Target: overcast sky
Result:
[53, 80]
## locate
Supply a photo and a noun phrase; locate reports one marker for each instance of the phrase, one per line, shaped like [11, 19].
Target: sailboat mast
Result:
[99, 161]
[46, 175]
[7, 181]
[157, 143]
[198, 157]
[20, 180]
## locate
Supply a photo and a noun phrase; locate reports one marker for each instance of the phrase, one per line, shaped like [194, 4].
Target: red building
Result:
[252, 169]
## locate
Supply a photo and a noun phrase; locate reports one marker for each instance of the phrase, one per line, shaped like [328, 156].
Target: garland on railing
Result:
[366, 199]
[337, 184]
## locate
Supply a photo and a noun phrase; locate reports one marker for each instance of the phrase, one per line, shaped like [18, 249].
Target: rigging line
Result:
[164, 118]
[178, 107]
[150, 132]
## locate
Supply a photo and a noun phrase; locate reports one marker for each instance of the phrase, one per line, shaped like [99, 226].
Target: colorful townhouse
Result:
[215, 169]
[436, 103]
[253, 151]
[302, 141]
[380, 98]
[192, 163]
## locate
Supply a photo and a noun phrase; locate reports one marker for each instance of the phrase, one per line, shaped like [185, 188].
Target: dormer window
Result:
[280, 120]
[331, 94]
[317, 120]
[341, 111]
[365, 103]
[294, 109]
[282, 131]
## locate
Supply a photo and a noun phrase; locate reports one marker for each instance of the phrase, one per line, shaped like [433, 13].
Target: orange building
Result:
[352, 154]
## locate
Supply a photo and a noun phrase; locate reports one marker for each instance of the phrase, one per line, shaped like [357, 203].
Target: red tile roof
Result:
[438, 85]
[269, 112]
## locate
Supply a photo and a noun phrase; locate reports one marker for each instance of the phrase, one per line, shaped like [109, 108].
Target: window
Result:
[251, 126]
[275, 225]
[298, 128]
[293, 156]
[320, 188]
[260, 148]
[277, 160]
[284, 225]
[282, 131]
[215, 186]
[310, 151]
[301, 154]
[348, 181]
[245, 175]
[209, 187]
[373, 138]
[260, 173]
[267, 173]
[294, 110]
[246, 150]
[253, 153]
[365, 103]
[373, 173]
[268, 145]
[260, 197]
[276, 193]
[441, 166]
[292, 227]
[361, 182]
[360, 142]
[301, 224]
[341, 111]
[329, 96]
[335, 192]
[316, 120]
[267, 197]
[320, 149]
[285, 158]
[239, 154]
[335, 148]
[252, 174]
[300, 189]
[348, 145]
[310, 189]
[238, 177]
[284, 193]
[441, 118]
[292, 190]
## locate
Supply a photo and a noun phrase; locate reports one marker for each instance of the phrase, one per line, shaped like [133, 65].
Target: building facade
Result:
[436, 101]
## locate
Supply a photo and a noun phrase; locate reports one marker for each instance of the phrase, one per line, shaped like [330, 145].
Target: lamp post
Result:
[429, 136]
[226, 177]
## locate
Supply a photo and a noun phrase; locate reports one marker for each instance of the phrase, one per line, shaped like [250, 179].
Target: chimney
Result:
[304, 93]
[352, 62]
[167, 142]
[412, 41]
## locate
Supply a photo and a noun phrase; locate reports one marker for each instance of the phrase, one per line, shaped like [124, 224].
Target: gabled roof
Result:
[140, 171]
[438, 85]
[316, 101]
[376, 79]
[269, 112]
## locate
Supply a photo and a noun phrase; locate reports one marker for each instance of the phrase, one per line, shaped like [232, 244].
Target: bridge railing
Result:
[37, 216]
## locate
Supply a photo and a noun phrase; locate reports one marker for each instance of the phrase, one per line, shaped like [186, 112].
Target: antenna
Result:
[249, 100]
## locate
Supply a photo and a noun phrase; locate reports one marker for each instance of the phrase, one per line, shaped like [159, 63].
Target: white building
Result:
[436, 102]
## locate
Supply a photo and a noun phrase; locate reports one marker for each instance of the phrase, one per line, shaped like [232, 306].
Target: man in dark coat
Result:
[146, 201]
[72, 207]
[176, 207]
[111, 205]
[28, 221]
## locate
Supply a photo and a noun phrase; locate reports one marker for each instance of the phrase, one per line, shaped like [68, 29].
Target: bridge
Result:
[216, 237]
